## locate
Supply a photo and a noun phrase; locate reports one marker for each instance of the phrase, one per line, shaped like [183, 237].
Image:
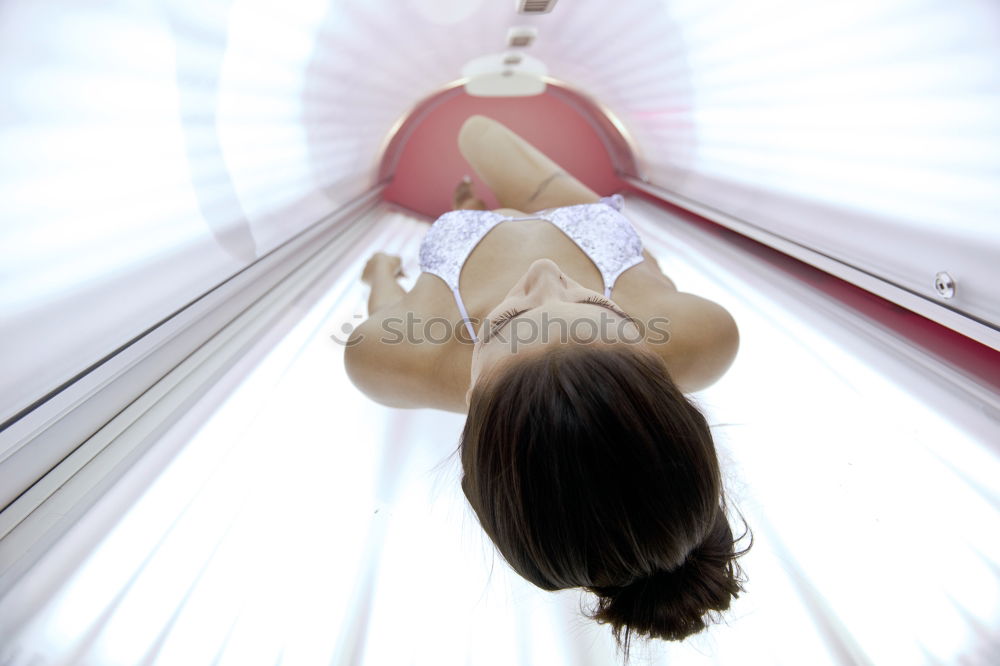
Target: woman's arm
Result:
[381, 273]
[384, 366]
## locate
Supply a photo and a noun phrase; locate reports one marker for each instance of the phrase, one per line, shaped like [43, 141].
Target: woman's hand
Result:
[380, 273]
[382, 264]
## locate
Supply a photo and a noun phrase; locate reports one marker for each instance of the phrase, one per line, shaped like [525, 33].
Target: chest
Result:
[503, 255]
[508, 250]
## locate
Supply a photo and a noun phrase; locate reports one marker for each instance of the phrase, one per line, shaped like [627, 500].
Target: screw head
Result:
[944, 285]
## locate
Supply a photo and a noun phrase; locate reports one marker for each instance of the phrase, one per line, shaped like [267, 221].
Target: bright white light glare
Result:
[445, 12]
[147, 154]
[74, 201]
[847, 128]
[261, 107]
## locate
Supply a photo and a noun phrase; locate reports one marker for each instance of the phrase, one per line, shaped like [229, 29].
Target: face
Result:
[546, 309]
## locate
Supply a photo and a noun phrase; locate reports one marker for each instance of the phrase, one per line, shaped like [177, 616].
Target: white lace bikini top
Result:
[599, 229]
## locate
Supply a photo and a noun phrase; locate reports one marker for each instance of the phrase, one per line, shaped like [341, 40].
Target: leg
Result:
[520, 175]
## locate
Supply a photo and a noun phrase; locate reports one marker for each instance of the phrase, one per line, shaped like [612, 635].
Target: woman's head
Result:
[588, 468]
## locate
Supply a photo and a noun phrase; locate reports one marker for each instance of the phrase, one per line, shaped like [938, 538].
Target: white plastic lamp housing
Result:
[494, 76]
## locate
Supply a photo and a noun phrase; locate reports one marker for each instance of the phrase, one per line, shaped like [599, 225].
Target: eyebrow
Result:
[620, 313]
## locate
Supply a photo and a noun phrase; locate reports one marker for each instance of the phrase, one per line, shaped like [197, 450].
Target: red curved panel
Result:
[430, 164]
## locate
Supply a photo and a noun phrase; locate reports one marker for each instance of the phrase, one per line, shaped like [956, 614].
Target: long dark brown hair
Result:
[588, 467]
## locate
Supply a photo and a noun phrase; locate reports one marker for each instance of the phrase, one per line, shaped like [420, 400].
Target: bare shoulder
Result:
[700, 342]
[396, 368]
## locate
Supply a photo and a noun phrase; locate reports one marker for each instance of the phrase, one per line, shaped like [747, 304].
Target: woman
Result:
[569, 349]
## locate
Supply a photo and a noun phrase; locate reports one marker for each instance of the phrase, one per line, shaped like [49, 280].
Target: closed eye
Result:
[608, 305]
[503, 319]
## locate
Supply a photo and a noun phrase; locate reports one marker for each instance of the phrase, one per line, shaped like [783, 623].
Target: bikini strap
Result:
[464, 313]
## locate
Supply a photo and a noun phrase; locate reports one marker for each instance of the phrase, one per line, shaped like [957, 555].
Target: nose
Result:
[543, 275]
